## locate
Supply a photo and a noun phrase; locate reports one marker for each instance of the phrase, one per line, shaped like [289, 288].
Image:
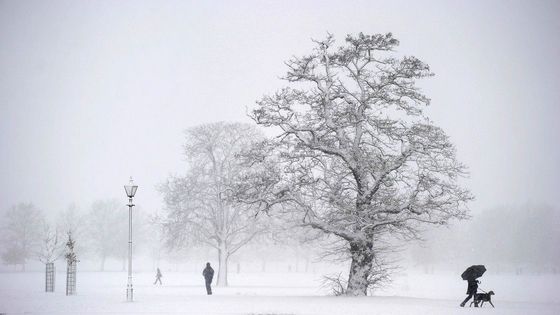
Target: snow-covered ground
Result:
[270, 293]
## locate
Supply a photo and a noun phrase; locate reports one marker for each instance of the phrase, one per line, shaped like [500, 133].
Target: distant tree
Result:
[526, 238]
[155, 238]
[14, 255]
[21, 233]
[356, 157]
[107, 230]
[200, 205]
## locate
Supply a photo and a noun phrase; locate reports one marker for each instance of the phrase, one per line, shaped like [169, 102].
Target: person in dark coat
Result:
[471, 291]
[208, 274]
[158, 277]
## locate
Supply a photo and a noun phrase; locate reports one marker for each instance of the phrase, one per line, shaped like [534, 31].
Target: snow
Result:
[270, 293]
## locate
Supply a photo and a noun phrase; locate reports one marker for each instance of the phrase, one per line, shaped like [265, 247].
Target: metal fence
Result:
[71, 278]
[50, 273]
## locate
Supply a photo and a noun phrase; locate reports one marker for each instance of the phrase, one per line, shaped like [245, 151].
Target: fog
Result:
[93, 92]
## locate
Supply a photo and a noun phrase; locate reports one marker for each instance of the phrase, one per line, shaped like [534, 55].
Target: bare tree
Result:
[200, 205]
[155, 240]
[107, 231]
[51, 247]
[356, 158]
[21, 233]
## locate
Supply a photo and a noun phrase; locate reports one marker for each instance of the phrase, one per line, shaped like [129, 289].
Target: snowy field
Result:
[270, 293]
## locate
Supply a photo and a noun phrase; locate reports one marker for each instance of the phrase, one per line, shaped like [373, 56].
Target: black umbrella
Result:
[473, 272]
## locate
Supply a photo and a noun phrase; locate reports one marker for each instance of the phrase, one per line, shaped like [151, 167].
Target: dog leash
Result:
[478, 288]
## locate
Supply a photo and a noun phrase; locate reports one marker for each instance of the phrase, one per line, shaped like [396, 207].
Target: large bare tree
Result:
[356, 157]
[200, 206]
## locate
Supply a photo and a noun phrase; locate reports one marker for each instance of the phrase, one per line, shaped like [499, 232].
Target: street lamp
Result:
[130, 192]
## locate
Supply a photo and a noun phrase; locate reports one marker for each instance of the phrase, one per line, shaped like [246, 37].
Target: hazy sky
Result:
[92, 92]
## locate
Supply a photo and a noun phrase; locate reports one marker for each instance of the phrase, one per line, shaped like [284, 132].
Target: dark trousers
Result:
[208, 287]
[158, 279]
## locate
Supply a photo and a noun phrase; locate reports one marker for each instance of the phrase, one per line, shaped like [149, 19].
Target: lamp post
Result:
[130, 191]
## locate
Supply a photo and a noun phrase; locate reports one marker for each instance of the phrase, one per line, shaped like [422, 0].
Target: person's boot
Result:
[462, 304]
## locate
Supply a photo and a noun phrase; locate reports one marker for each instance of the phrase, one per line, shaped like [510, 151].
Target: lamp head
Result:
[130, 189]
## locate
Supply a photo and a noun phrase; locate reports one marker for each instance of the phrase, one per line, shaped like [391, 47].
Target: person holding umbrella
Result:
[471, 274]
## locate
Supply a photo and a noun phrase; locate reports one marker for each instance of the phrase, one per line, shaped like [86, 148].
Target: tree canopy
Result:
[356, 156]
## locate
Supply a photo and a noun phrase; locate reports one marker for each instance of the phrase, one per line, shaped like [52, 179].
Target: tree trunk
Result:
[360, 269]
[102, 264]
[223, 257]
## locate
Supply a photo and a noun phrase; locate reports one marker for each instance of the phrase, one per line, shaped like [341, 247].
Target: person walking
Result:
[158, 277]
[471, 291]
[471, 274]
[208, 274]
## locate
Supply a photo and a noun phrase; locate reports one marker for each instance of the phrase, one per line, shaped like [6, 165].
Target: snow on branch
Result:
[356, 156]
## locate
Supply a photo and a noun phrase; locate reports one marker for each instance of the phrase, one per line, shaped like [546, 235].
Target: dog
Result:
[480, 298]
